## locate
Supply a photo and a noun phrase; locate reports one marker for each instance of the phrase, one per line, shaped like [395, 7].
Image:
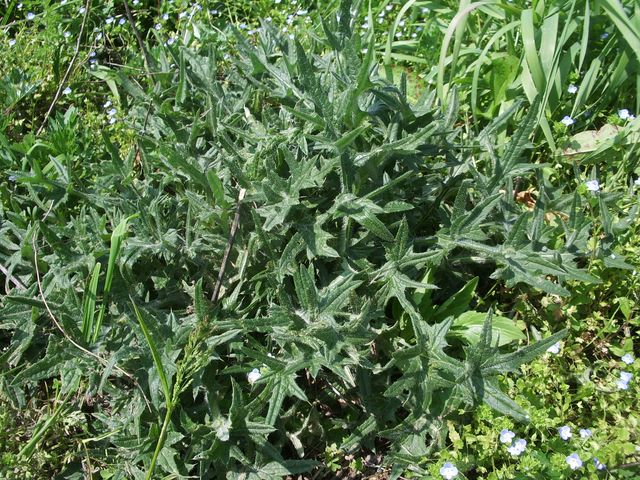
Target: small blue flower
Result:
[31, 16]
[592, 185]
[574, 461]
[599, 465]
[67, 91]
[66, 34]
[12, 42]
[448, 470]
[567, 120]
[81, 10]
[158, 26]
[518, 447]
[565, 432]
[585, 433]
[628, 357]
[506, 436]
[623, 114]
[109, 20]
[165, 16]
[12, 178]
[122, 21]
[572, 89]
[626, 376]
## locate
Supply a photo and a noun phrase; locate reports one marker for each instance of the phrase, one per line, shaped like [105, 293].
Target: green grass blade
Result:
[531, 51]
[457, 22]
[392, 32]
[117, 237]
[584, 42]
[89, 304]
[166, 390]
[628, 31]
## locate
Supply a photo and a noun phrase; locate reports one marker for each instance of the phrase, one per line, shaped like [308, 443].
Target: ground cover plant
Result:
[274, 242]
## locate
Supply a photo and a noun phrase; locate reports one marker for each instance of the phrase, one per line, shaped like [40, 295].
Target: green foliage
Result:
[367, 251]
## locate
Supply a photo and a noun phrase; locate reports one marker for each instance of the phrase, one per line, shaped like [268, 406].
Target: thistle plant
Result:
[345, 283]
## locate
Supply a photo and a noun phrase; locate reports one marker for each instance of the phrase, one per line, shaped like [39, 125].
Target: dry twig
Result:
[227, 252]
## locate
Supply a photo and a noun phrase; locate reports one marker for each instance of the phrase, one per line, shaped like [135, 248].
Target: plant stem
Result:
[161, 439]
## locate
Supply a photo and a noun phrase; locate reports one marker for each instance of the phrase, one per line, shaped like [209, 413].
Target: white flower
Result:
[122, 21]
[389, 8]
[112, 120]
[165, 16]
[448, 470]
[628, 359]
[170, 41]
[518, 447]
[565, 432]
[567, 120]
[222, 425]
[574, 461]
[112, 112]
[107, 104]
[67, 91]
[623, 114]
[31, 16]
[555, 348]
[158, 26]
[572, 88]
[592, 185]
[585, 433]
[506, 436]
[109, 20]
[81, 10]
[253, 376]
[622, 385]
[135, 2]
[12, 42]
